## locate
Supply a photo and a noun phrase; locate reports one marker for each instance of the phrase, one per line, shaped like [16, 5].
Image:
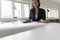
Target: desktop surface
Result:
[49, 32]
[11, 28]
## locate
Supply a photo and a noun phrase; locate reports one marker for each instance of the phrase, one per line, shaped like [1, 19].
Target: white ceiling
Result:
[58, 1]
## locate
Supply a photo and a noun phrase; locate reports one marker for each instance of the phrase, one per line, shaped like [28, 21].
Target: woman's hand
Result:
[27, 19]
[43, 21]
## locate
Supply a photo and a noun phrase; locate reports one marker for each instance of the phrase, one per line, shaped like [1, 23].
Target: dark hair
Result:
[38, 4]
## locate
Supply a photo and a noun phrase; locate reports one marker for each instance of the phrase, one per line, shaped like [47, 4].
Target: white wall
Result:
[0, 8]
[59, 12]
[49, 3]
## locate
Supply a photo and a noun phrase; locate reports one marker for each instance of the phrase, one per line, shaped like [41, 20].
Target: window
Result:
[52, 13]
[10, 9]
[26, 10]
[6, 9]
[17, 9]
[55, 13]
[49, 13]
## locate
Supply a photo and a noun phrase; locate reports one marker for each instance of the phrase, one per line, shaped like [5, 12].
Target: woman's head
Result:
[36, 3]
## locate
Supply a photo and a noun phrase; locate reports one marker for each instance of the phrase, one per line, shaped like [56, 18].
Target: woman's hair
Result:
[38, 4]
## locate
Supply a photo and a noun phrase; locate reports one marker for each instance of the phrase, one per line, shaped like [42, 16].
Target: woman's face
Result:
[35, 3]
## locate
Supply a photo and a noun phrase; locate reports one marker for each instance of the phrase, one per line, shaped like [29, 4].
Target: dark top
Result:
[41, 14]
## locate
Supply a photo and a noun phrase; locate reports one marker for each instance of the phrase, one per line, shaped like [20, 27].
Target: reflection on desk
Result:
[7, 29]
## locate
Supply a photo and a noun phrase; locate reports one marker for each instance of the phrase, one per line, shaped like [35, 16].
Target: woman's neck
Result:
[36, 11]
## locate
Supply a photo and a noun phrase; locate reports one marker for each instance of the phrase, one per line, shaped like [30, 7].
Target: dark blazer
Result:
[41, 14]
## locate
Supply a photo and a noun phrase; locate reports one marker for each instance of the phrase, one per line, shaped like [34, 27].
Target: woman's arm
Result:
[43, 14]
[43, 20]
[30, 15]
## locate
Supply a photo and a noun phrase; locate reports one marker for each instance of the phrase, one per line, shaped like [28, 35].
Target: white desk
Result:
[49, 32]
[7, 29]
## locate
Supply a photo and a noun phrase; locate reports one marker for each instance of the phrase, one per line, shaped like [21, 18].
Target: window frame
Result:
[17, 9]
[13, 10]
[22, 8]
[29, 9]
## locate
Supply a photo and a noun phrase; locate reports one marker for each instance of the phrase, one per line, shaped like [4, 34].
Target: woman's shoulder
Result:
[31, 9]
[42, 9]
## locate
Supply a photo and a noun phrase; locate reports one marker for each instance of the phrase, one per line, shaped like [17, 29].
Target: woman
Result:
[36, 13]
